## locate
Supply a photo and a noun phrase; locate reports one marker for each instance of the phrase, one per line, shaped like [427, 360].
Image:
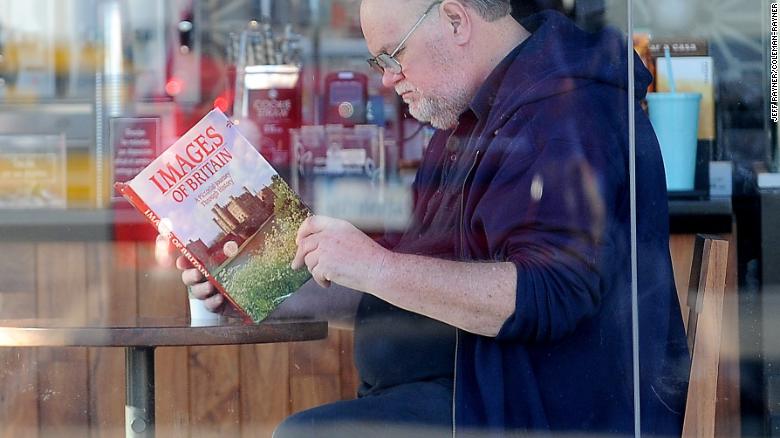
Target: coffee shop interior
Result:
[92, 91]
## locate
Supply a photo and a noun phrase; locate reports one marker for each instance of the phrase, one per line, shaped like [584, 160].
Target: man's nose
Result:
[389, 79]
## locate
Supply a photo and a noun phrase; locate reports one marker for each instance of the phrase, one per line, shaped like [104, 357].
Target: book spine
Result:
[154, 220]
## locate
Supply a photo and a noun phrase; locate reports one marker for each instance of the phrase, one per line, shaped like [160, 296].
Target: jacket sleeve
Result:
[545, 213]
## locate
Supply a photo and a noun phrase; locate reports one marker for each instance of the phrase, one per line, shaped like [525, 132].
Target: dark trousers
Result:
[420, 409]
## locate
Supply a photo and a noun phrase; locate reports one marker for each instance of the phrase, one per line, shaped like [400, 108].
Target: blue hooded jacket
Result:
[545, 185]
[539, 177]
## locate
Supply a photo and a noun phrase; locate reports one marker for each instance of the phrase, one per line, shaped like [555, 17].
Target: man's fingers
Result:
[312, 263]
[182, 263]
[214, 302]
[305, 247]
[307, 227]
[191, 277]
[323, 283]
[319, 277]
[310, 225]
[297, 262]
[202, 290]
[312, 259]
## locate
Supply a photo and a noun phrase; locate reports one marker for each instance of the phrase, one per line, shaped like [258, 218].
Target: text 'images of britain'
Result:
[228, 211]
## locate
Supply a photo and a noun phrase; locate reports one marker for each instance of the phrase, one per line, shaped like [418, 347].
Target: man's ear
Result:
[457, 20]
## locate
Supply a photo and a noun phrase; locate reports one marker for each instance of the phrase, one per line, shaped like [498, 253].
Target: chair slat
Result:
[705, 321]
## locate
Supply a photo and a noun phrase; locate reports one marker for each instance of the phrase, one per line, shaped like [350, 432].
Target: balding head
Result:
[448, 54]
[490, 10]
[389, 17]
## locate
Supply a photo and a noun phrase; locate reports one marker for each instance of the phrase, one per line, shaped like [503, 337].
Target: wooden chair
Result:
[704, 328]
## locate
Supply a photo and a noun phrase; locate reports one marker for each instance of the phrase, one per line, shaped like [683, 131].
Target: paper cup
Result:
[201, 316]
[675, 119]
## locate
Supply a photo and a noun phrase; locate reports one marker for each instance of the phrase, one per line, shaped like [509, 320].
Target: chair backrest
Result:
[704, 328]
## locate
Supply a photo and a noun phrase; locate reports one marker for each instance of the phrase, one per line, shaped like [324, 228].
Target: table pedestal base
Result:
[139, 398]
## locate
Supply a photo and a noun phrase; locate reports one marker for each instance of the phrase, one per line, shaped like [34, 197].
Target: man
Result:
[512, 283]
[524, 8]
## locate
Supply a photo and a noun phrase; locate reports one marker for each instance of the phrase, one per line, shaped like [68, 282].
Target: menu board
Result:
[273, 104]
[32, 171]
[135, 142]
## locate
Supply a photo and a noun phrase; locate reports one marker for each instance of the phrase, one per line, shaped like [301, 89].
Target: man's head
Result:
[441, 50]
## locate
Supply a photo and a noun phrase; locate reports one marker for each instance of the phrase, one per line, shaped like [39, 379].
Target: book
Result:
[228, 211]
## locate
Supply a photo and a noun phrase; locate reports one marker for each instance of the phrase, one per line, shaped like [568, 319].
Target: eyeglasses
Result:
[387, 62]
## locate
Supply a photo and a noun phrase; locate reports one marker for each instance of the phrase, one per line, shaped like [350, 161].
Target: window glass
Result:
[535, 232]
[715, 58]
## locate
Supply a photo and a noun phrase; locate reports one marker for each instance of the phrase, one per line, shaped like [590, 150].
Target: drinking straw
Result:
[668, 56]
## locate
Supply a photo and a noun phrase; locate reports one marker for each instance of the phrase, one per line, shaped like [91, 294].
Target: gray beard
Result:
[442, 113]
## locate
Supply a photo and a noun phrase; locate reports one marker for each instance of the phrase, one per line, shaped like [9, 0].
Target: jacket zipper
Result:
[462, 256]
[463, 206]
[454, 383]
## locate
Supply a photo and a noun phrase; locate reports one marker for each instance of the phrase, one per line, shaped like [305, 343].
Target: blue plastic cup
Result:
[675, 119]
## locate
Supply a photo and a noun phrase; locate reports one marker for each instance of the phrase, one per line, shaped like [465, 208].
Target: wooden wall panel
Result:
[316, 357]
[17, 269]
[162, 295]
[348, 374]
[313, 390]
[61, 281]
[160, 290]
[203, 391]
[106, 392]
[172, 394]
[315, 372]
[111, 298]
[111, 282]
[18, 393]
[200, 391]
[215, 406]
[63, 403]
[265, 389]
[18, 366]
[15, 305]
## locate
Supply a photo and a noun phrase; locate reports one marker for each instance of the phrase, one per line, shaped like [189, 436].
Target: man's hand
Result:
[201, 289]
[335, 251]
[474, 296]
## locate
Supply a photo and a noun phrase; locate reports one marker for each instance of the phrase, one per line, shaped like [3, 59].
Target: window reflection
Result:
[91, 90]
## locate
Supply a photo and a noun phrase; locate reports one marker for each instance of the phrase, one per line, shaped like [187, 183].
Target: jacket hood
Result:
[559, 57]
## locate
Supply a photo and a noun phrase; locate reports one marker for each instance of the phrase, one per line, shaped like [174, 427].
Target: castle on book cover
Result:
[228, 211]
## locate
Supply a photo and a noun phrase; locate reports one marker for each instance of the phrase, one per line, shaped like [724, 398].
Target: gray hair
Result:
[490, 10]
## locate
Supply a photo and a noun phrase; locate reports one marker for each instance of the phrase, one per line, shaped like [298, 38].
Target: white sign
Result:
[368, 207]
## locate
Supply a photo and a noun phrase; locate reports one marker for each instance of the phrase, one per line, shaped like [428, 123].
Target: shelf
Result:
[708, 207]
[711, 216]
[53, 225]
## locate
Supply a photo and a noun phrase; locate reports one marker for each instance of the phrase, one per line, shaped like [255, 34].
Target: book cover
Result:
[228, 211]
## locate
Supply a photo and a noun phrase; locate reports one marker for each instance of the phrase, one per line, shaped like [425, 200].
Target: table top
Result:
[149, 332]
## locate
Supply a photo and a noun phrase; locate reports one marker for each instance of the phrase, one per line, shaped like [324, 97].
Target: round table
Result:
[140, 337]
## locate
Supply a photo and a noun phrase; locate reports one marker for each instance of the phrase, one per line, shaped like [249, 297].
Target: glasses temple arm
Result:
[416, 25]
